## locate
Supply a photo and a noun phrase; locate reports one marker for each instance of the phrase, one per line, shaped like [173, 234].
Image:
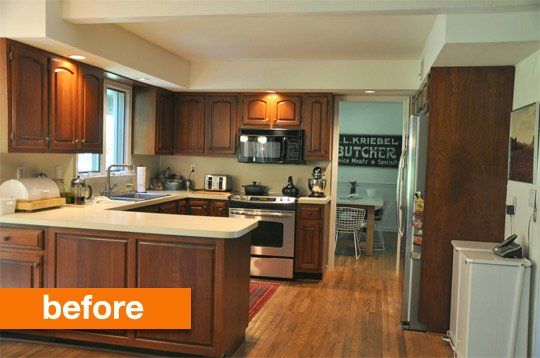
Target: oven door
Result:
[275, 234]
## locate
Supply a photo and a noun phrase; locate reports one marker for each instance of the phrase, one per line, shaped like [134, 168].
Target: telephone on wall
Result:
[509, 248]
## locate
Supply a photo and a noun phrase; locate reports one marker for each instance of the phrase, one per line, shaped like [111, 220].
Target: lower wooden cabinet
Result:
[199, 207]
[219, 208]
[169, 208]
[311, 229]
[19, 269]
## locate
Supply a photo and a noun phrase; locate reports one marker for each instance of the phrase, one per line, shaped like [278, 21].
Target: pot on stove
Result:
[254, 189]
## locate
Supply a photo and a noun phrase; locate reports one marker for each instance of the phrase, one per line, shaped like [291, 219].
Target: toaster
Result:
[217, 182]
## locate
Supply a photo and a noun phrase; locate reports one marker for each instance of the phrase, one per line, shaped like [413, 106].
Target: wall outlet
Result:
[192, 168]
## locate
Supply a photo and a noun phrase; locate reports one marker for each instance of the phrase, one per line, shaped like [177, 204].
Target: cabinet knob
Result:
[77, 140]
[84, 141]
[35, 265]
[5, 238]
[48, 139]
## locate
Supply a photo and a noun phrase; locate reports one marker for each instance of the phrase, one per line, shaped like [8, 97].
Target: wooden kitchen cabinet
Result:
[219, 208]
[153, 110]
[317, 123]
[182, 207]
[27, 86]
[91, 109]
[164, 122]
[272, 110]
[63, 110]
[311, 231]
[221, 124]
[189, 123]
[21, 269]
[199, 207]
[168, 208]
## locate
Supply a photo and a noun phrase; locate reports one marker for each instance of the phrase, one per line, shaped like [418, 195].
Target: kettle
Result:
[80, 191]
[290, 189]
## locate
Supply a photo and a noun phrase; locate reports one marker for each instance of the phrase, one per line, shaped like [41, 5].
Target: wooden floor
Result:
[353, 312]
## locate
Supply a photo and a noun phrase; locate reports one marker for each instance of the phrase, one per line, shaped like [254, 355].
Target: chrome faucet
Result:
[108, 190]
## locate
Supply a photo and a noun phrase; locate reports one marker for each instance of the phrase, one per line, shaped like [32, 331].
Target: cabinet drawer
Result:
[32, 238]
[311, 212]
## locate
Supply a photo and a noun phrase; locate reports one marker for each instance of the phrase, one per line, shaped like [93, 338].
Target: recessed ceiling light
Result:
[270, 91]
[369, 91]
[142, 79]
[77, 57]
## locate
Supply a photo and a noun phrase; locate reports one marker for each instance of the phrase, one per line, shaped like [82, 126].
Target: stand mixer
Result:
[317, 184]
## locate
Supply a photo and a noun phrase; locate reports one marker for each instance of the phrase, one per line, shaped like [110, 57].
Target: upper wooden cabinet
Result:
[27, 82]
[153, 110]
[272, 110]
[52, 104]
[164, 122]
[189, 122]
[317, 125]
[63, 116]
[221, 124]
[91, 109]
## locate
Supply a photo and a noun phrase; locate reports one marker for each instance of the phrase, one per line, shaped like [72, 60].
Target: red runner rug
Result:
[259, 294]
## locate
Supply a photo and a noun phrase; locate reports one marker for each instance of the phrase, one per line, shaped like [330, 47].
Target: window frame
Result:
[128, 90]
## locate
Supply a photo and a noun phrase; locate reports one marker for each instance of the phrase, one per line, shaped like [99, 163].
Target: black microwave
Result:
[283, 146]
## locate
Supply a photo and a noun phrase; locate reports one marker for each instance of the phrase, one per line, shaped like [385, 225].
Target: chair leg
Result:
[335, 241]
[381, 237]
[356, 244]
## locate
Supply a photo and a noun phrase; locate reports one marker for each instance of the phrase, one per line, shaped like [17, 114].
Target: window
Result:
[116, 138]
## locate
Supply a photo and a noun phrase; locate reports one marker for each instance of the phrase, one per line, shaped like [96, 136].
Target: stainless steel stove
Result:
[272, 243]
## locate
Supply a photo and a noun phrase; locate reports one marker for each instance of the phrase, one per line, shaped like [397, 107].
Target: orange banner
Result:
[95, 308]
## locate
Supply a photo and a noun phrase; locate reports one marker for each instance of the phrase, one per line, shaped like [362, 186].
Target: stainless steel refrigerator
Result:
[411, 180]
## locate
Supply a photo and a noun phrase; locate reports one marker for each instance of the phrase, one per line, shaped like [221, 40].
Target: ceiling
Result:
[290, 37]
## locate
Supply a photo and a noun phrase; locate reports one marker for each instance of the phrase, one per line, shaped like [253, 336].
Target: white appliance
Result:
[411, 179]
[217, 182]
[29, 189]
[459, 248]
[493, 305]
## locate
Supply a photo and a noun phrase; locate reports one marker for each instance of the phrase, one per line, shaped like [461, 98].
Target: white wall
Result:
[371, 118]
[526, 91]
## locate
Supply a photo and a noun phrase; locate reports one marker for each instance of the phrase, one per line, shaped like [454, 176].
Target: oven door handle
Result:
[261, 214]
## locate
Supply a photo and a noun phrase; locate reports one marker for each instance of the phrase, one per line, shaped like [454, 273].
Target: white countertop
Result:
[312, 200]
[110, 215]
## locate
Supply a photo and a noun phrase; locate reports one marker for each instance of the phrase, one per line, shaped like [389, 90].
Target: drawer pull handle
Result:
[35, 265]
[5, 238]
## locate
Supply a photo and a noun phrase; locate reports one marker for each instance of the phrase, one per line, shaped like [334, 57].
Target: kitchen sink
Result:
[136, 196]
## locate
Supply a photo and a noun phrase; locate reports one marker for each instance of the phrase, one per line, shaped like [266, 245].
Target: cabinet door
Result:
[180, 265]
[20, 269]
[86, 260]
[147, 209]
[286, 111]
[63, 114]
[91, 107]
[169, 208]
[199, 207]
[221, 124]
[164, 122]
[317, 123]
[182, 207]
[219, 208]
[29, 121]
[189, 124]
[257, 110]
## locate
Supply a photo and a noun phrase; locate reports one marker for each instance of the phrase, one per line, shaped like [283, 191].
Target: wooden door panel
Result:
[90, 261]
[169, 208]
[317, 124]
[256, 110]
[199, 207]
[308, 247]
[189, 124]
[164, 122]
[180, 265]
[29, 99]
[20, 270]
[91, 106]
[63, 109]
[221, 124]
[219, 208]
[286, 111]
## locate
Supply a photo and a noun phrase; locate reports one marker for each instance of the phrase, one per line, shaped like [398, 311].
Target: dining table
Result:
[369, 204]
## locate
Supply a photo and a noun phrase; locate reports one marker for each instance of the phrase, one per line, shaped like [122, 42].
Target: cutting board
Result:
[32, 205]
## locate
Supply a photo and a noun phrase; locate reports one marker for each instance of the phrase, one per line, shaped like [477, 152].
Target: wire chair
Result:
[350, 220]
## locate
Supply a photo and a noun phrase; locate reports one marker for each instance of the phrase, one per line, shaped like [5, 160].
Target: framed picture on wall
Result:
[523, 156]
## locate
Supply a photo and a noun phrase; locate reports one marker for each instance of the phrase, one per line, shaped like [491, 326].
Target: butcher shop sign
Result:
[369, 150]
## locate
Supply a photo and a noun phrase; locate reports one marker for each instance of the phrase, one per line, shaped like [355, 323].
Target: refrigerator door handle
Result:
[399, 192]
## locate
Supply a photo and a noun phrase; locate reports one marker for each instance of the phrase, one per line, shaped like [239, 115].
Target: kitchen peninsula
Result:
[93, 247]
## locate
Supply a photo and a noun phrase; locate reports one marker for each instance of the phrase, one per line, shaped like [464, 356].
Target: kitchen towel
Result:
[141, 179]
